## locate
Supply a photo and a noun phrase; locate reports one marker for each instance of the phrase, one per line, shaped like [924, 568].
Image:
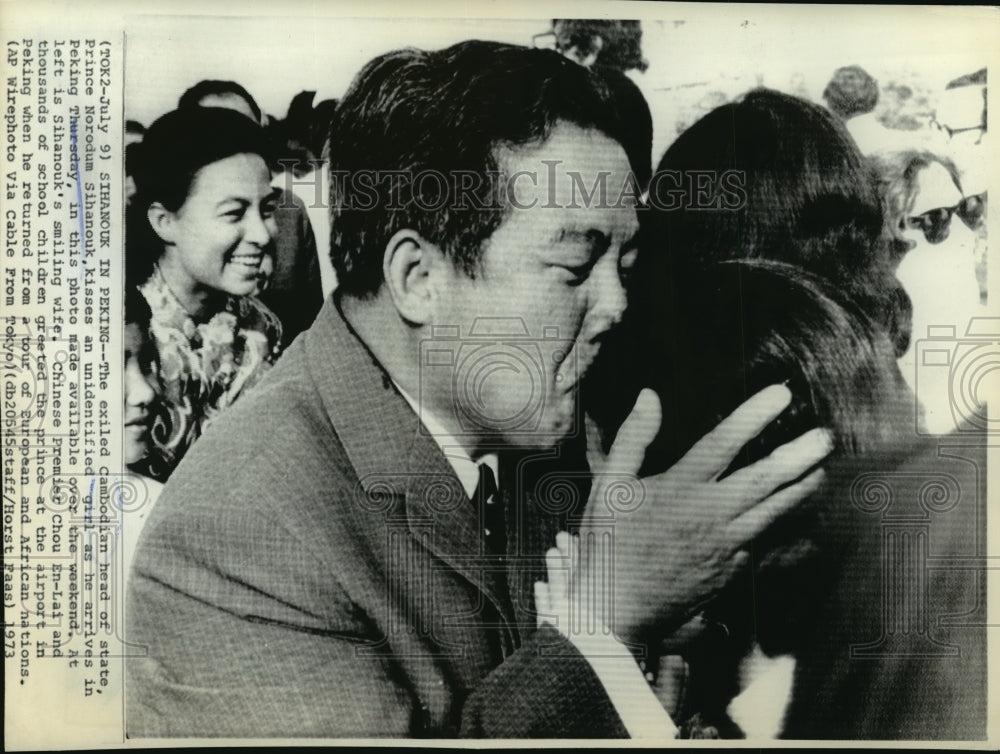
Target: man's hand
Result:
[552, 603]
[654, 551]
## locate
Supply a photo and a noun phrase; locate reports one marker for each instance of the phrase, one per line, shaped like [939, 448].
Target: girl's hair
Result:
[809, 199]
[737, 327]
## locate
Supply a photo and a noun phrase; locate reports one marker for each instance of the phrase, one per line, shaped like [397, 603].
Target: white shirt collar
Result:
[465, 468]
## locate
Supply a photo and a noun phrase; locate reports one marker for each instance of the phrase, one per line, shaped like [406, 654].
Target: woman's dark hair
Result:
[808, 198]
[174, 149]
[214, 88]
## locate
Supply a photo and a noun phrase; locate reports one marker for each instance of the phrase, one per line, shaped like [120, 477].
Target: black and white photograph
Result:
[618, 375]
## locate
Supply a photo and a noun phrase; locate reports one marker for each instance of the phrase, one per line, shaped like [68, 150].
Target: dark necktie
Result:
[491, 511]
[491, 508]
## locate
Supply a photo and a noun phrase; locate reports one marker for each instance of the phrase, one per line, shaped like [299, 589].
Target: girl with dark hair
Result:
[808, 198]
[765, 657]
[736, 327]
[140, 381]
[142, 399]
[794, 285]
[197, 231]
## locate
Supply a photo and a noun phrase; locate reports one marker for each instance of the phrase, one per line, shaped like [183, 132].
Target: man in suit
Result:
[352, 549]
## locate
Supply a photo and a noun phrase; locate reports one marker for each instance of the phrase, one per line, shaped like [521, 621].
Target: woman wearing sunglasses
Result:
[933, 227]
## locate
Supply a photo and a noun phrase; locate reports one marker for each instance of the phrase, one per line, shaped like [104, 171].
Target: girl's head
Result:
[706, 347]
[740, 326]
[807, 198]
[139, 378]
[204, 204]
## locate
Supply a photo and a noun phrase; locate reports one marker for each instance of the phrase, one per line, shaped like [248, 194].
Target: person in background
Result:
[852, 95]
[933, 228]
[961, 111]
[140, 389]
[198, 229]
[963, 137]
[303, 135]
[294, 290]
[609, 43]
[305, 130]
[134, 132]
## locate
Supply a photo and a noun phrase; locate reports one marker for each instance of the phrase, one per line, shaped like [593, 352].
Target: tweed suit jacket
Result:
[314, 568]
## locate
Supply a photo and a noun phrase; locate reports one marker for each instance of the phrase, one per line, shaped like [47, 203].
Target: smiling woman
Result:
[199, 229]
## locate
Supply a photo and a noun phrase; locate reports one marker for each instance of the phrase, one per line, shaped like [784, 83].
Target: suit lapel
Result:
[455, 530]
[393, 459]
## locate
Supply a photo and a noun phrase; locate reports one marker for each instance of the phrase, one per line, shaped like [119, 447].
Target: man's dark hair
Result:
[215, 88]
[851, 91]
[810, 200]
[447, 112]
[977, 78]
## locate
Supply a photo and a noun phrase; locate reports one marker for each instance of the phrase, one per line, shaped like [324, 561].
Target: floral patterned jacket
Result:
[204, 366]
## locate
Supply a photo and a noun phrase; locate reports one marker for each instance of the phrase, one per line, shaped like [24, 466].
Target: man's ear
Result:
[161, 220]
[411, 268]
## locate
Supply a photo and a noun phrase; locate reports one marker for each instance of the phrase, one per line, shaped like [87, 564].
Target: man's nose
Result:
[610, 303]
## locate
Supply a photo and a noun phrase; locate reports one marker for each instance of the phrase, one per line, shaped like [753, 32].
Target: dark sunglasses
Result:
[936, 223]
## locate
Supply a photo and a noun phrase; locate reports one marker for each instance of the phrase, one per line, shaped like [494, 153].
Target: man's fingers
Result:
[713, 453]
[596, 456]
[557, 565]
[629, 449]
[564, 543]
[757, 519]
[785, 464]
[543, 606]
